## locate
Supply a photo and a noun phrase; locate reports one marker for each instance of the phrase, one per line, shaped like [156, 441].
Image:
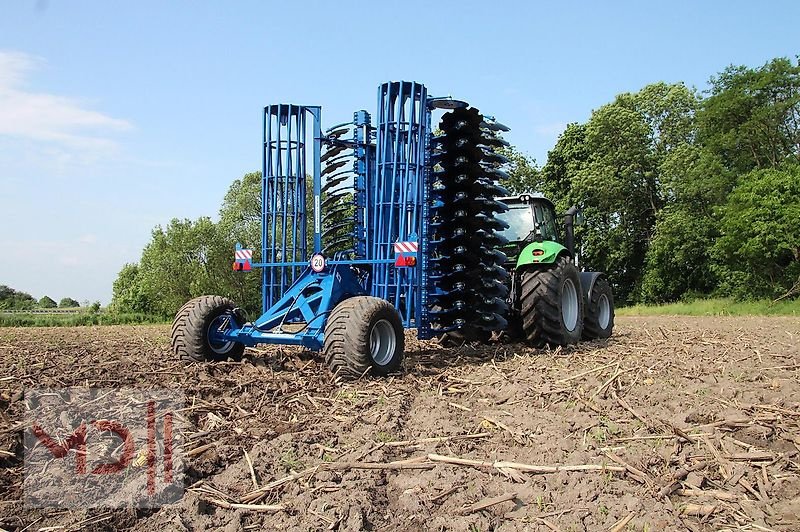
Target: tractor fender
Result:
[587, 283]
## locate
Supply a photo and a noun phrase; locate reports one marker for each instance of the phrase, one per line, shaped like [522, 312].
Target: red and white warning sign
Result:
[406, 254]
[243, 257]
[244, 254]
[406, 247]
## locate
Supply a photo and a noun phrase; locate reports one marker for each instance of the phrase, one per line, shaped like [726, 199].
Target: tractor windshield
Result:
[520, 219]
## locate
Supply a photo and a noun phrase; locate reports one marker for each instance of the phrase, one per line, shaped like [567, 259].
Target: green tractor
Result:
[551, 301]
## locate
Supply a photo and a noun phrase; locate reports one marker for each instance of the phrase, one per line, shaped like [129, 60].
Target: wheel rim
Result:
[382, 342]
[569, 305]
[220, 347]
[604, 311]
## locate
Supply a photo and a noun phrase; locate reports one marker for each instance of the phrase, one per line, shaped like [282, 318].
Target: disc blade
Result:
[330, 183]
[331, 153]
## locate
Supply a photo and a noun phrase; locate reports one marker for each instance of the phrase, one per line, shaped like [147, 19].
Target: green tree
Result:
[68, 302]
[240, 221]
[678, 260]
[188, 258]
[177, 264]
[46, 302]
[759, 247]
[129, 293]
[523, 175]
[750, 120]
[564, 161]
[11, 299]
[612, 168]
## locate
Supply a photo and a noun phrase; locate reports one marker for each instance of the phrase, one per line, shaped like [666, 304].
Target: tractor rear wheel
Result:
[551, 304]
[364, 334]
[194, 326]
[599, 321]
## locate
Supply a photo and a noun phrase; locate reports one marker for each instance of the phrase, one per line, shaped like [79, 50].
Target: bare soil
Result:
[684, 422]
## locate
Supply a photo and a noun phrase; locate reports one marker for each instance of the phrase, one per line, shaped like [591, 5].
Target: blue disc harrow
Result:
[370, 229]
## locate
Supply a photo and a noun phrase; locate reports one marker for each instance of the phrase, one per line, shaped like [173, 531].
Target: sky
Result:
[118, 116]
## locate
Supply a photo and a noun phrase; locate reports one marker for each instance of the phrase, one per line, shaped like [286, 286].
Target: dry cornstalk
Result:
[678, 475]
[250, 507]
[746, 485]
[252, 471]
[602, 387]
[717, 494]
[656, 437]
[419, 441]
[529, 468]
[260, 492]
[620, 525]
[624, 404]
[488, 502]
[724, 466]
[499, 424]
[588, 372]
[639, 475]
[201, 449]
[752, 456]
[459, 461]
[412, 463]
[700, 510]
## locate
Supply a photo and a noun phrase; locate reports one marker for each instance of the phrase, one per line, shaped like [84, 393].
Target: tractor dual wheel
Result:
[599, 320]
[552, 304]
[364, 334]
[194, 327]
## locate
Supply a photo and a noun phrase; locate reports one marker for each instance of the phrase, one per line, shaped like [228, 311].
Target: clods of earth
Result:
[675, 423]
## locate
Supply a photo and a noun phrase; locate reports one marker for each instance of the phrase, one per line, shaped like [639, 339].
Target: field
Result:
[675, 423]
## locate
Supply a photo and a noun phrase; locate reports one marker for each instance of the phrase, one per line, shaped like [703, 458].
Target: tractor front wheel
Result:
[194, 337]
[599, 321]
[551, 304]
[364, 334]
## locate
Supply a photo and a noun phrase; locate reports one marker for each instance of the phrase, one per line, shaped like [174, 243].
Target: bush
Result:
[68, 302]
[75, 320]
[758, 251]
[46, 302]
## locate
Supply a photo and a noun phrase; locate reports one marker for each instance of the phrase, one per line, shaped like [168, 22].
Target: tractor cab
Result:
[530, 218]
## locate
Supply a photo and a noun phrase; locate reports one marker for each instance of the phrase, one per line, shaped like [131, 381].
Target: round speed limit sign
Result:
[318, 262]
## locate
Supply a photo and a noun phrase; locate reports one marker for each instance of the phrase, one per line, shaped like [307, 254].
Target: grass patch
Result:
[715, 307]
[77, 319]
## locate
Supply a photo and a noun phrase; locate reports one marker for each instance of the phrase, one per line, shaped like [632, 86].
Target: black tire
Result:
[599, 320]
[190, 340]
[348, 338]
[541, 293]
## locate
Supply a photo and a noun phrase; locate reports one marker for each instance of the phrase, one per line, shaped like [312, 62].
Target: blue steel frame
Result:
[283, 196]
[398, 193]
[391, 188]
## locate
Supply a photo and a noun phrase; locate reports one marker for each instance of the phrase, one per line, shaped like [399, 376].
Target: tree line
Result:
[688, 194]
[11, 299]
[684, 194]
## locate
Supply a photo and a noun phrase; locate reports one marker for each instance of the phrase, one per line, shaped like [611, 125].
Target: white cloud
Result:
[48, 118]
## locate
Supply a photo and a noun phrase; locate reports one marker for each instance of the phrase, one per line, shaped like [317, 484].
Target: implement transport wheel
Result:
[364, 333]
[599, 320]
[552, 304]
[195, 326]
